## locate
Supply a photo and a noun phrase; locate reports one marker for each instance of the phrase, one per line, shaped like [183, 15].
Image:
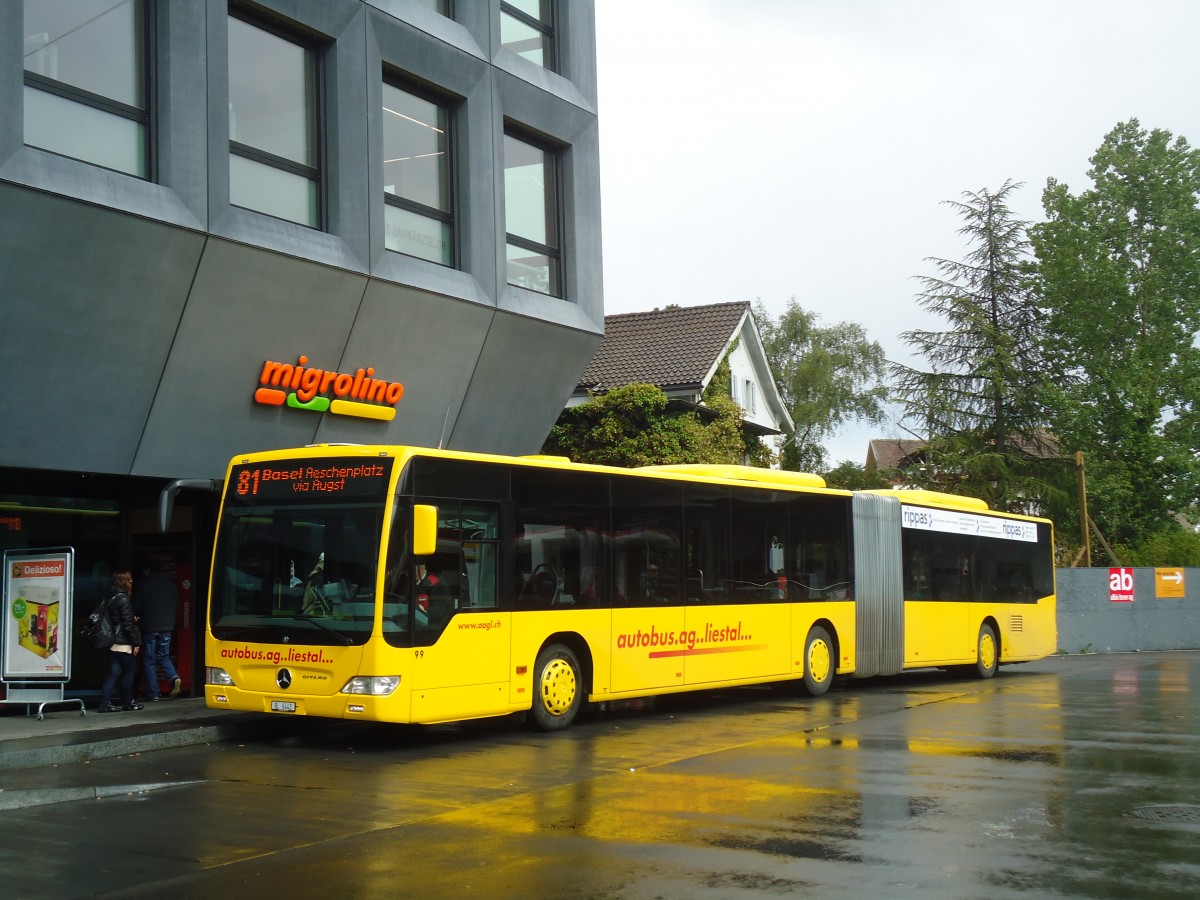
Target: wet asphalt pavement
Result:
[1072, 777]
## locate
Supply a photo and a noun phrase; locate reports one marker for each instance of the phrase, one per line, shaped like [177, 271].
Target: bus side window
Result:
[557, 541]
[945, 584]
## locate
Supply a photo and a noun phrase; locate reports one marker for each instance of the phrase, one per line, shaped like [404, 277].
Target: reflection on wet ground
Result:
[1028, 785]
[1073, 777]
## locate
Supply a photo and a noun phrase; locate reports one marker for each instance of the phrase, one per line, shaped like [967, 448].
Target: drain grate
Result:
[1168, 812]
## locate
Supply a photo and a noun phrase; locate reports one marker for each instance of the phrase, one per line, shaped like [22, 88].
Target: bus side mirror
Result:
[424, 529]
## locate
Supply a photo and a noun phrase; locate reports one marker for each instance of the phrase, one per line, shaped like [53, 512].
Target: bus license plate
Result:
[283, 706]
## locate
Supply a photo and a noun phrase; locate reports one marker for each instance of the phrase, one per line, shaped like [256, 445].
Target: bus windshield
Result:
[298, 567]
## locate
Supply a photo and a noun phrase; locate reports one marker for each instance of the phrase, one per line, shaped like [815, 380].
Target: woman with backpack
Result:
[121, 665]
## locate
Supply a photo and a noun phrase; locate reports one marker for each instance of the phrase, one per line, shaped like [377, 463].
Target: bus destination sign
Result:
[310, 479]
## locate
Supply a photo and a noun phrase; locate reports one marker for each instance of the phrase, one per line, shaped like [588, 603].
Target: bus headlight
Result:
[216, 675]
[375, 685]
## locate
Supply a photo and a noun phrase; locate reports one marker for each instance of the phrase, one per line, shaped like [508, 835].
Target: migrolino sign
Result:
[300, 386]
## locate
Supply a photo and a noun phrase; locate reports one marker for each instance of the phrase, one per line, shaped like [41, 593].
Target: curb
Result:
[23, 799]
[35, 752]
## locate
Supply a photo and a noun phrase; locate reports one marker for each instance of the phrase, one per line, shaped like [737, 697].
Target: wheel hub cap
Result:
[558, 687]
[818, 661]
[987, 651]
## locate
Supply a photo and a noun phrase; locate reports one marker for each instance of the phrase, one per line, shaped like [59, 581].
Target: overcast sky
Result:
[769, 149]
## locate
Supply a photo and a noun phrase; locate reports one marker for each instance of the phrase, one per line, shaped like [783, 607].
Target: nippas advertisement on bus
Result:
[36, 633]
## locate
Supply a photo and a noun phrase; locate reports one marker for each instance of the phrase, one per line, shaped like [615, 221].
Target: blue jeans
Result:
[121, 668]
[156, 655]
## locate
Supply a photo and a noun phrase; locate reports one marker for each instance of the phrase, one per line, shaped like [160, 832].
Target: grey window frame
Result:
[108, 105]
[441, 7]
[448, 216]
[314, 173]
[546, 27]
[555, 197]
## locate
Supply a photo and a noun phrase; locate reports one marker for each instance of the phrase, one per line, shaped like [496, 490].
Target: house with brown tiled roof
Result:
[894, 453]
[901, 455]
[678, 349]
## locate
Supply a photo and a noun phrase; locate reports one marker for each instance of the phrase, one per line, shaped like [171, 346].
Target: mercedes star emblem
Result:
[284, 679]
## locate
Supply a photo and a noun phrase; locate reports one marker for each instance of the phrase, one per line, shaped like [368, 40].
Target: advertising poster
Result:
[37, 615]
[1120, 585]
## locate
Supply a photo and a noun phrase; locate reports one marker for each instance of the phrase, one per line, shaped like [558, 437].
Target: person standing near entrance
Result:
[157, 603]
[121, 655]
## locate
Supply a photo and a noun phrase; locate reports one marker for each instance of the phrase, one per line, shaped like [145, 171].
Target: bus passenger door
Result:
[461, 658]
[936, 619]
[465, 673]
[738, 623]
[649, 642]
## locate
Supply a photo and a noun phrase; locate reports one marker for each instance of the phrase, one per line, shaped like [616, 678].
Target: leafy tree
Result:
[851, 476]
[827, 376]
[1166, 547]
[633, 426]
[722, 433]
[980, 401]
[1120, 285]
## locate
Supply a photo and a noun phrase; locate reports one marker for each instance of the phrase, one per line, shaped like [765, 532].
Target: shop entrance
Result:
[182, 555]
[174, 564]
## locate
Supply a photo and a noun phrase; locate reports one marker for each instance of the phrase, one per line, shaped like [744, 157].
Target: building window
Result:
[442, 7]
[273, 160]
[751, 397]
[527, 29]
[85, 81]
[530, 216]
[416, 176]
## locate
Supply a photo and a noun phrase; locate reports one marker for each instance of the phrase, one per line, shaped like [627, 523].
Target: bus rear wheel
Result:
[988, 658]
[820, 661]
[558, 688]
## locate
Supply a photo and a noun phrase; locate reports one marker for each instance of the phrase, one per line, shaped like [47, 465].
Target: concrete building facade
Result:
[231, 226]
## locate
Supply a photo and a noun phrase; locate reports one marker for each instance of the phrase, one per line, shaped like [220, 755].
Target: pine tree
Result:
[979, 403]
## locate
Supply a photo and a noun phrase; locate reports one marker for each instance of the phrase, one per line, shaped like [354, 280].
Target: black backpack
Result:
[98, 629]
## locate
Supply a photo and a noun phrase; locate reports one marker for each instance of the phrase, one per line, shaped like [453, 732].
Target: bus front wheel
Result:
[988, 659]
[820, 661]
[558, 688]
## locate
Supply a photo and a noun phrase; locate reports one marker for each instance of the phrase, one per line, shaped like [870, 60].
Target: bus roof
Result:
[715, 471]
[933, 498]
[742, 473]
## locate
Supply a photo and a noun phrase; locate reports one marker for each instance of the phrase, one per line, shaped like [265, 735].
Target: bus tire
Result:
[820, 661]
[557, 688]
[987, 659]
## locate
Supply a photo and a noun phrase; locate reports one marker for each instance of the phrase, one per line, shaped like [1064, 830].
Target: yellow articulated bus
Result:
[402, 584]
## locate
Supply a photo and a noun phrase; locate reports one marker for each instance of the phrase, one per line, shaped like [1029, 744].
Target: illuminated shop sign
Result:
[301, 386]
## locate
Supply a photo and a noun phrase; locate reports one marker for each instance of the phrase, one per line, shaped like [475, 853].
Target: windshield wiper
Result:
[229, 632]
[345, 639]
